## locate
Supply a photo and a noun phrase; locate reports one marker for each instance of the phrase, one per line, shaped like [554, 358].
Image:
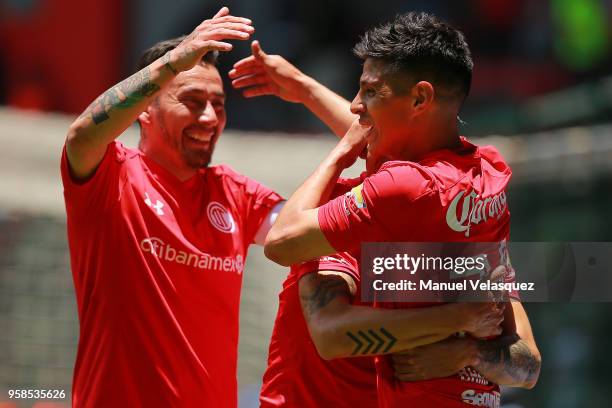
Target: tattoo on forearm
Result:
[372, 341]
[522, 361]
[512, 356]
[124, 95]
[325, 291]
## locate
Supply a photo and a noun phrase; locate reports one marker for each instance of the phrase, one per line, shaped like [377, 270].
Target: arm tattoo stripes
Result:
[372, 341]
[367, 341]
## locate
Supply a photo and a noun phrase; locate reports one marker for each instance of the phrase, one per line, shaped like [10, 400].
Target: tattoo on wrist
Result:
[166, 61]
[512, 355]
[372, 341]
[126, 94]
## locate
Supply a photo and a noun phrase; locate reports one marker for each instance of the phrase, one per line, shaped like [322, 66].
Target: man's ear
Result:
[424, 94]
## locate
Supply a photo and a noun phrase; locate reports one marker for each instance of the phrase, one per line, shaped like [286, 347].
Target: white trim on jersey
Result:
[260, 236]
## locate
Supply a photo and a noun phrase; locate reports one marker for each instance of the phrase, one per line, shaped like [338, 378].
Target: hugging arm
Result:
[512, 359]
[340, 329]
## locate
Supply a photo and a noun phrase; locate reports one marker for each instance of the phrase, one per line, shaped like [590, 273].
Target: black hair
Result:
[161, 48]
[423, 47]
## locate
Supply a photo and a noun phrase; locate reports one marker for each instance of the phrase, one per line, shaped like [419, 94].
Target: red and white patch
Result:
[220, 218]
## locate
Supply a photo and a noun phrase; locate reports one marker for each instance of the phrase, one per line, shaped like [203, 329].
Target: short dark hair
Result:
[161, 48]
[424, 47]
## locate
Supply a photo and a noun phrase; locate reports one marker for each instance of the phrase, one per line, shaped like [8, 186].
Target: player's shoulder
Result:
[343, 185]
[406, 169]
[225, 172]
[230, 177]
[121, 152]
[486, 156]
[408, 179]
[494, 161]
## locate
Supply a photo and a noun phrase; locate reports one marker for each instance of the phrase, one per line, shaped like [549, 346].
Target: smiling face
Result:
[183, 124]
[381, 104]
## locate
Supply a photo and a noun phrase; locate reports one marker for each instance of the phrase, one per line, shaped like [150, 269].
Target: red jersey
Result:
[448, 196]
[297, 377]
[157, 266]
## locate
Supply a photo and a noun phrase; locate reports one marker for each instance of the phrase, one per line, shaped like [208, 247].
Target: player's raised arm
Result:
[296, 235]
[117, 108]
[264, 74]
[339, 329]
[512, 359]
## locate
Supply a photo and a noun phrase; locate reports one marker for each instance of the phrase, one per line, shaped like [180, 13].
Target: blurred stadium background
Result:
[542, 93]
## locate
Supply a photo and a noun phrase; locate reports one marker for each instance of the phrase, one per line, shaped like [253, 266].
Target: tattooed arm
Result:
[117, 108]
[339, 329]
[512, 359]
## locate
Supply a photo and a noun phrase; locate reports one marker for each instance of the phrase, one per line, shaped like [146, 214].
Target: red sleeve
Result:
[101, 190]
[379, 209]
[341, 262]
[344, 185]
[253, 199]
[260, 203]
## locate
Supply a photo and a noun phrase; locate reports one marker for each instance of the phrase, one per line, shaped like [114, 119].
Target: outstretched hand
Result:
[209, 36]
[264, 74]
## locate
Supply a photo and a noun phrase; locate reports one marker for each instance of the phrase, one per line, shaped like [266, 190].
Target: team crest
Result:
[220, 218]
[357, 195]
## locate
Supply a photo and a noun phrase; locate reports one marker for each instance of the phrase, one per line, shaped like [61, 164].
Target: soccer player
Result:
[318, 305]
[319, 302]
[424, 183]
[157, 238]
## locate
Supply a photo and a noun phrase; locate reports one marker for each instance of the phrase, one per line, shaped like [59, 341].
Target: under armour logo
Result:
[158, 204]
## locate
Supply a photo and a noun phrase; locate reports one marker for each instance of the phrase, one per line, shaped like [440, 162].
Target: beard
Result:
[195, 158]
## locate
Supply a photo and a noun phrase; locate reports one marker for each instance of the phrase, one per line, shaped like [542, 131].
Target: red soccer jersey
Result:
[157, 266]
[448, 196]
[296, 376]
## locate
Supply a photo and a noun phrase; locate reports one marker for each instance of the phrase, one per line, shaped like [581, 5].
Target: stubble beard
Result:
[194, 160]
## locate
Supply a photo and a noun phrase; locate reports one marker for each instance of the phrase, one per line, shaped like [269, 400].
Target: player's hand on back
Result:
[264, 74]
[210, 35]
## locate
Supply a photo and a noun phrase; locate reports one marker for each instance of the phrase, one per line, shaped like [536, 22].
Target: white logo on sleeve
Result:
[157, 206]
[220, 218]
